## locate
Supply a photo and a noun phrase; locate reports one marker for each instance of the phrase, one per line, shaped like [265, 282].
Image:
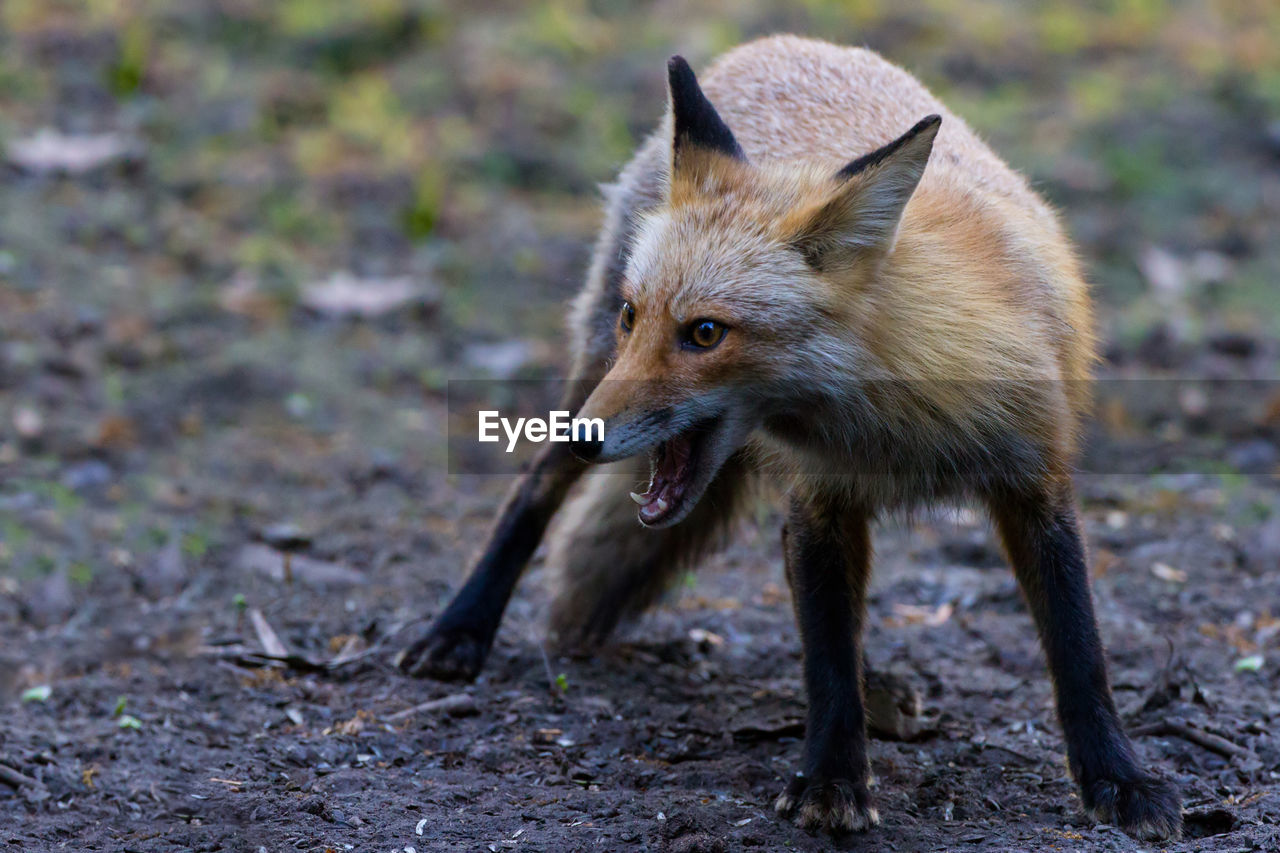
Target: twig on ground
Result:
[271, 643]
[1025, 758]
[16, 779]
[291, 661]
[1211, 742]
[457, 705]
[760, 732]
[238, 654]
[546, 663]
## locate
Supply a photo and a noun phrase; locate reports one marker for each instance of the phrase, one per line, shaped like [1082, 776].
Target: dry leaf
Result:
[353, 726]
[917, 614]
[345, 295]
[51, 152]
[116, 431]
[242, 296]
[28, 422]
[308, 570]
[1166, 572]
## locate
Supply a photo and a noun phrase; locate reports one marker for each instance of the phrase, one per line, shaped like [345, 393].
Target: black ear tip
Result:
[696, 121]
[678, 70]
[925, 126]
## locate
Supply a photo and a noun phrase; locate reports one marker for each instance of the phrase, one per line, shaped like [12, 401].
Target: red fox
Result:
[790, 287]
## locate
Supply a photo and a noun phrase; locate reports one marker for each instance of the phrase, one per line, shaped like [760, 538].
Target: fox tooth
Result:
[660, 506]
[642, 500]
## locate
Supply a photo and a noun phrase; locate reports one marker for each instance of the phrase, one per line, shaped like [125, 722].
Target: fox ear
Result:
[698, 127]
[863, 214]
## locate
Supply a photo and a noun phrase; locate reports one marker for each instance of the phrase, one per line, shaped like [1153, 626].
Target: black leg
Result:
[456, 645]
[1043, 540]
[828, 553]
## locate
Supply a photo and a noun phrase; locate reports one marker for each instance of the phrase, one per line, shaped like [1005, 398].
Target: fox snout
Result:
[630, 428]
[586, 449]
[687, 438]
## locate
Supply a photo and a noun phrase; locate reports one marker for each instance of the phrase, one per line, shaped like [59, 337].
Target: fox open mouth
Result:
[674, 467]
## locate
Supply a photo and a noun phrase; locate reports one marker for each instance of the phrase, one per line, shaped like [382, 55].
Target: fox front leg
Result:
[455, 647]
[828, 554]
[1043, 541]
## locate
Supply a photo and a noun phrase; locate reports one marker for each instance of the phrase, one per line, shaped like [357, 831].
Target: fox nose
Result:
[586, 449]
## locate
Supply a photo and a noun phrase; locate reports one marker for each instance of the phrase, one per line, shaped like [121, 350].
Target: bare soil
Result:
[676, 737]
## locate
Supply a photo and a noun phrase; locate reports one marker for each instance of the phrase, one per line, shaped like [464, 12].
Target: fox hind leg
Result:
[608, 568]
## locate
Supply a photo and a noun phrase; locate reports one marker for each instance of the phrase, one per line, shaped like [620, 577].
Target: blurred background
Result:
[190, 185]
[245, 245]
[228, 228]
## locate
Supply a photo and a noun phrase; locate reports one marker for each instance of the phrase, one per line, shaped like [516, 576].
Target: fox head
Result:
[740, 291]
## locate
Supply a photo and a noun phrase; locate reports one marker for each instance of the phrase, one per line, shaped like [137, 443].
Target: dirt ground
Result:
[677, 737]
[212, 452]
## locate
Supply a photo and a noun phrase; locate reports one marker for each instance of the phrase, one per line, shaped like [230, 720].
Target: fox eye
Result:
[705, 334]
[627, 318]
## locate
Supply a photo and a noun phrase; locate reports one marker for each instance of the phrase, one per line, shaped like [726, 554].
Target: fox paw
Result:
[1147, 808]
[836, 806]
[446, 653]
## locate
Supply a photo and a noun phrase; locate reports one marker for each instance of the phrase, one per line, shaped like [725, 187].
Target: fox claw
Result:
[838, 806]
[446, 654]
[1147, 808]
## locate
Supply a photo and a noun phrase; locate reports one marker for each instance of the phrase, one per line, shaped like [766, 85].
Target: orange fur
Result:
[965, 334]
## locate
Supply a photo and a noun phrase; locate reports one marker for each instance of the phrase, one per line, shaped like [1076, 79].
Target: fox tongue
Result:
[670, 470]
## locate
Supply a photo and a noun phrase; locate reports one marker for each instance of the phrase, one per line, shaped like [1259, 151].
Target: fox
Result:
[814, 275]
